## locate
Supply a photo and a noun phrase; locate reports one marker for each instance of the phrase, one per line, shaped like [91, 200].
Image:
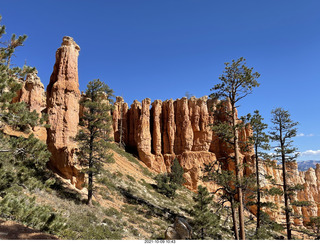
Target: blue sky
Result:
[163, 49]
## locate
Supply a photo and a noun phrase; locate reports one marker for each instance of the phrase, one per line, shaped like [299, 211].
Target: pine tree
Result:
[22, 160]
[94, 136]
[282, 132]
[205, 222]
[165, 186]
[237, 82]
[176, 175]
[260, 141]
[15, 114]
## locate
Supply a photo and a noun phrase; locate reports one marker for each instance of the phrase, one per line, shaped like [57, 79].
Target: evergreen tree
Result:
[165, 186]
[237, 82]
[176, 175]
[260, 141]
[205, 222]
[94, 136]
[22, 160]
[282, 132]
[15, 114]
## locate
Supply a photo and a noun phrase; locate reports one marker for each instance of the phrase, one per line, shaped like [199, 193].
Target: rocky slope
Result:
[10, 230]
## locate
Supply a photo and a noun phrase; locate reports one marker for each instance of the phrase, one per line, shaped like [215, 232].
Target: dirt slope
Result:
[10, 230]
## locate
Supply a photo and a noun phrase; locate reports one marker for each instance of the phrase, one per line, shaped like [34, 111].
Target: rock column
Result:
[63, 97]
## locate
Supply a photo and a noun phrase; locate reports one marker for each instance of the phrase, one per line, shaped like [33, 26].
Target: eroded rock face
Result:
[173, 129]
[310, 180]
[120, 118]
[63, 97]
[181, 129]
[32, 93]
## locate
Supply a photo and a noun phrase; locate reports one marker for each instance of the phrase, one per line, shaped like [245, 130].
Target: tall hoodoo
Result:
[63, 97]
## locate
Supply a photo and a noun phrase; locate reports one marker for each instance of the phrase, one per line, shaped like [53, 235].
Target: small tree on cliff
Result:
[96, 130]
[237, 81]
[282, 132]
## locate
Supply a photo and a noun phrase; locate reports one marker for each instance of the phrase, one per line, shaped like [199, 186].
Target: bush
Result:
[165, 186]
[25, 210]
[176, 175]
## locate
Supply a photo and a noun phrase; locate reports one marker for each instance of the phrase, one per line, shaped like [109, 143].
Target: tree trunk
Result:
[90, 190]
[234, 220]
[238, 175]
[286, 197]
[258, 189]
[90, 174]
[284, 176]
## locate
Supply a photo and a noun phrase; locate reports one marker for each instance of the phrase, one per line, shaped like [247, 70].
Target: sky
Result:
[164, 49]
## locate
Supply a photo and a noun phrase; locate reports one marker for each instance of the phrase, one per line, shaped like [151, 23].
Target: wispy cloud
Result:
[307, 135]
[310, 153]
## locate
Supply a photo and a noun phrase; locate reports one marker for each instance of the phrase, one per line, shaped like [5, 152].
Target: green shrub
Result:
[131, 178]
[176, 175]
[165, 186]
[24, 209]
[113, 212]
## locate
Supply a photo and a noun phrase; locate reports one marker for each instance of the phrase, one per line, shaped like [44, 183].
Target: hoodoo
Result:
[171, 129]
[63, 97]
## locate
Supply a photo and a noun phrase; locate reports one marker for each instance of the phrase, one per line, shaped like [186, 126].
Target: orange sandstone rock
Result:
[63, 97]
[175, 129]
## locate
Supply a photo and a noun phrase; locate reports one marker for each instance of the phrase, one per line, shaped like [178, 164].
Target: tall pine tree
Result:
[237, 82]
[260, 142]
[282, 132]
[95, 134]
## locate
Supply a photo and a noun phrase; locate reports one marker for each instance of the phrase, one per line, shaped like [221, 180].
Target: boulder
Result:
[180, 230]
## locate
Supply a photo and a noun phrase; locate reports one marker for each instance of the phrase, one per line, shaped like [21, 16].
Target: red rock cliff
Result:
[162, 131]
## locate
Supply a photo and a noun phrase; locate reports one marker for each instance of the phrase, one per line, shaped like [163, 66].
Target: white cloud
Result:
[302, 134]
[310, 153]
